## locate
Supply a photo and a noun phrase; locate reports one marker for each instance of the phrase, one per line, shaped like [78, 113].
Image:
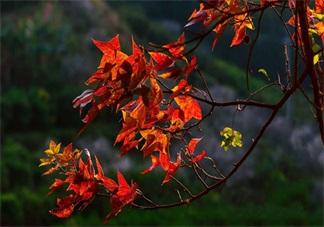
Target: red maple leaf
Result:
[124, 196]
[176, 48]
[191, 149]
[106, 47]
[108, 183]
[189, 106]
[65, 206]
[162, 60]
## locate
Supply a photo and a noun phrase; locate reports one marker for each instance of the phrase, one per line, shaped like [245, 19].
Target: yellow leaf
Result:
[46, 161]
[52, 151]
[53, 148]
[230, 138]
[49, 152]
[316, 58]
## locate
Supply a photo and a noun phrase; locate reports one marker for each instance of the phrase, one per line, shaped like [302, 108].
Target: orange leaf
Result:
[164, 160]
[108, 183]
[65, 206]
[116, 208]
[106, 47]
[123, 188]
[50, 170]
[66, 156]
[136, 49]
[154, 95]
[124, 196]
[172, 168]
[239, 36]
[139, 114]
[100, 173]
[199, 157]
[171, 73]
[219, 31]
[192, 145]
[155, 163]
[182, 87]
[190, 107]
[155, 141]
[129, 143]
[176, 48]
[319, 6]
[129, 125]
[191, 66]
[162, 60]
[242, 22]
[56, 185]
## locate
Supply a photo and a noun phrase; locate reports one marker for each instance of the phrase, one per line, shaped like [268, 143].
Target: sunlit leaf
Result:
[264, 73]
[230, 138]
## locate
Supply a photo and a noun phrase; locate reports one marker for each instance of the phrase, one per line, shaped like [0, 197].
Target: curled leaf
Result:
[264, 73]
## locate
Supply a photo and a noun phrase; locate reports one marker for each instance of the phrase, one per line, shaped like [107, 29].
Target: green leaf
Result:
[264, 72]
[316, 47]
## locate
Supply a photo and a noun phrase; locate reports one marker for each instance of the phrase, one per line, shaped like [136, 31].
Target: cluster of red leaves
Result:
[132, 84]
[83, 182]
[236, 14]
[151, 91]
[315, 19]
[222, 12]
[170, 168]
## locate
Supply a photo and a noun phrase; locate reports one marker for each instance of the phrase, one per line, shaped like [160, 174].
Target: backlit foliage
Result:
[150, 89]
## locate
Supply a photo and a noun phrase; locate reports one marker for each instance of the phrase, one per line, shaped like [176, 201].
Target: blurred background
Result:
[47, 54]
